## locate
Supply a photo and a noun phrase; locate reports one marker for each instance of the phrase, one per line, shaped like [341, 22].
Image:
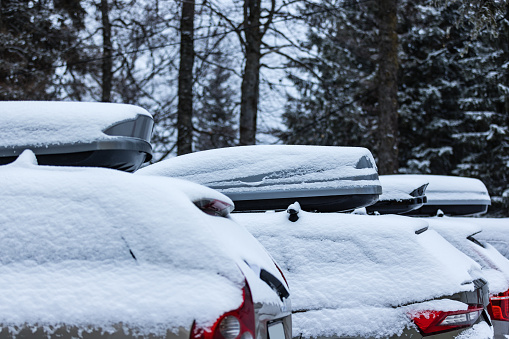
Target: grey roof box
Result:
[76, 133]
[452, 195]
[401, 194]
[271, 177]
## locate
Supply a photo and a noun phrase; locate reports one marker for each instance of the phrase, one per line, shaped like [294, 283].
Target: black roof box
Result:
[271, 177]
[76, 133]
[452, 196]
[401, 194]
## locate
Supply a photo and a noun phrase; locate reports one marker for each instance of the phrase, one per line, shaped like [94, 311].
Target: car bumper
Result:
[68, 332]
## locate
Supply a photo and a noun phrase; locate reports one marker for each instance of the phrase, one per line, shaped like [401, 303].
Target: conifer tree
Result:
[216, 116]
[453, 104]
[35, 37]
[335, 104]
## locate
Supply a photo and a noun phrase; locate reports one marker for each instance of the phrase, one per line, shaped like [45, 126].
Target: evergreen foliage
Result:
[34, 37]
[453, 80]
[452, 90]
[335, 100]
[216, 116]
[453, 116]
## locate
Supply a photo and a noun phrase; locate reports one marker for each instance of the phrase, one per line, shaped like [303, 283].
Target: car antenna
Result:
[293, 210]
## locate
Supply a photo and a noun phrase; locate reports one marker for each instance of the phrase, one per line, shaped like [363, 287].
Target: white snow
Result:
[272, 167]
[495, 266]
[495, 231]
[450, 190]
[351, 275]
[68, 234]
[365, 321]
[399, 187]
[38, 123]
[478, 331]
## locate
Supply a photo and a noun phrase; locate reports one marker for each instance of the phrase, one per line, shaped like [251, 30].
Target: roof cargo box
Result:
[271, 177]
[76, 133]
[453, 196]
[401, 194]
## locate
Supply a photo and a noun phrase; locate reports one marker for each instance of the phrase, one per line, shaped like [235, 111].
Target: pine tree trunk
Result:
[185, 90]
[388, 87]
[251, 76]
[107, 63]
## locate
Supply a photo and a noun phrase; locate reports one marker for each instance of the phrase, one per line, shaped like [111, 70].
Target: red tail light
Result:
[498, 308]
[236, 324]
[433, 322]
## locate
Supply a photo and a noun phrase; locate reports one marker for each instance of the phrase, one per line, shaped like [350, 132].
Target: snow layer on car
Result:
[365, 321]
[97, 247]
[38, 123]
[450, 190]
[478, 331]
[272, 167]
[341, 264]
[399, 187]
[495, 231]
[495, 266]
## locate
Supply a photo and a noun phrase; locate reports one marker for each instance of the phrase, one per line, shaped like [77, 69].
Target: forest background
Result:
[423, 84]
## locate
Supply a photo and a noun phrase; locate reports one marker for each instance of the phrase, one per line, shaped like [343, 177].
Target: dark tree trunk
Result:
[506, 52]
[107, 63]
[251, 76]
[388, 87]
[185, 91]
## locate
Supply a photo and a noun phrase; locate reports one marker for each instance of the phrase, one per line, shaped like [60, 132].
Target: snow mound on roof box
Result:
[273, 167]
[345, 262]
[97, 247]
[38, 123]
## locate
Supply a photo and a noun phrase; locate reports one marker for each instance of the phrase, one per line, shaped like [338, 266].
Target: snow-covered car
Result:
[76, 133]
[95, 252]
[323, 178]
[351, 276]
[495, 232]
[359, 276]
[462, 233]
[465, 236]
